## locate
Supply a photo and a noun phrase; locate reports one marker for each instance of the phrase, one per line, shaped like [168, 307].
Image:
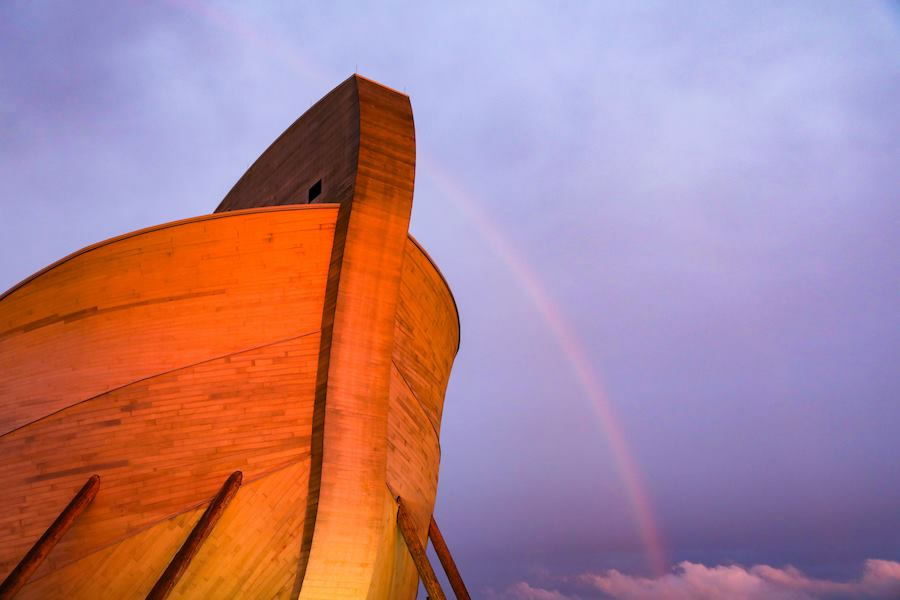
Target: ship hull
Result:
[306, 345]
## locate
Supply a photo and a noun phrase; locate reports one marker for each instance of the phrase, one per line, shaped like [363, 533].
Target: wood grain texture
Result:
[253, 551]
[45, 544]
[125, 569]
[426, 337]
[426, 331]
[201, 530]
[159, 300]
[348, 502]
[162, 445]
[322, 145]
[308, 346]
[164, 441]
[414, 456]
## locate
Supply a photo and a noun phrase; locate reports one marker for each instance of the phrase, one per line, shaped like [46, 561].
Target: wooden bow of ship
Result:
[296, 345]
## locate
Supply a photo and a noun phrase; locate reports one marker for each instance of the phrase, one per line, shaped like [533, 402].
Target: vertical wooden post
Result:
[42, 548]
[199, 533]
[443, 552]
[426, 573]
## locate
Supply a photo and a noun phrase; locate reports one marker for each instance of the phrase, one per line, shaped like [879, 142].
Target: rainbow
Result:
[526, 277]
[575, 353]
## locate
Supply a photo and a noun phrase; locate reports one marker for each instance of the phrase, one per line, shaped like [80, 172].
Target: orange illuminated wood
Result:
[198, 535]
[426, 331]
[162, 445]
[426, 338]
[255, 547]
[306, 345]
[31, 561]
[125, 569]
[355, 362]
[157, 300]
[252, 551]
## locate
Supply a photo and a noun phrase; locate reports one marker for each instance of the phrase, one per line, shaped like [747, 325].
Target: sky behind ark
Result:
[670, 228]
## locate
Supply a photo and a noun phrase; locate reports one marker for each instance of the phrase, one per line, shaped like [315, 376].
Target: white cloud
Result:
[694, 581]
[524, 591]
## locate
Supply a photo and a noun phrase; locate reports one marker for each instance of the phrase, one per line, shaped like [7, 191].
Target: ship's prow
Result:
[298, 336]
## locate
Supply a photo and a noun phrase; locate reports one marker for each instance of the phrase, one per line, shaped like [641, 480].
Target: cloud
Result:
[694, 581]
[524, 591]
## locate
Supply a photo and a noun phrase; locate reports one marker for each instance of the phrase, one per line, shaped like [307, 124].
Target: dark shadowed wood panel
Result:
[157, 300]
[322, 145]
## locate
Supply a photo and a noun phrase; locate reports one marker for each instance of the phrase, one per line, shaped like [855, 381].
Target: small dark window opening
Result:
[315, 190]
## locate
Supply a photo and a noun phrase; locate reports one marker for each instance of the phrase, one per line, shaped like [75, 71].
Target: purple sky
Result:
[707, 190]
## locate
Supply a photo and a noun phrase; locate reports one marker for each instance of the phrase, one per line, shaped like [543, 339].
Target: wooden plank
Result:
[443, 552]
[426, 573]
[192, 544]
[29, 564]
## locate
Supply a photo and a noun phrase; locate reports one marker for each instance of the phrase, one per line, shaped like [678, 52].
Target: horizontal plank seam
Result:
[159, 374]
[93, 311]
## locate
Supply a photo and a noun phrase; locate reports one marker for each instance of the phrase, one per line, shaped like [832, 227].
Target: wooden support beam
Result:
[42, 548]
[443, 552]
[195, 539]
[426, 573]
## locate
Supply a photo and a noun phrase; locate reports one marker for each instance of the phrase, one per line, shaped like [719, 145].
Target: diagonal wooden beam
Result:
[426, 573]
[42, 548]
[443, 552]
[195, 539]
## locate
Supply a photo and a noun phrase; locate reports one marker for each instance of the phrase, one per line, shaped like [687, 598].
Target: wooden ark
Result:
[255, 388]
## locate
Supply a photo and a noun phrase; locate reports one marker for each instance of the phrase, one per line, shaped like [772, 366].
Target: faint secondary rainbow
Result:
[525, 276]
[275, 46]
[574, 352]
